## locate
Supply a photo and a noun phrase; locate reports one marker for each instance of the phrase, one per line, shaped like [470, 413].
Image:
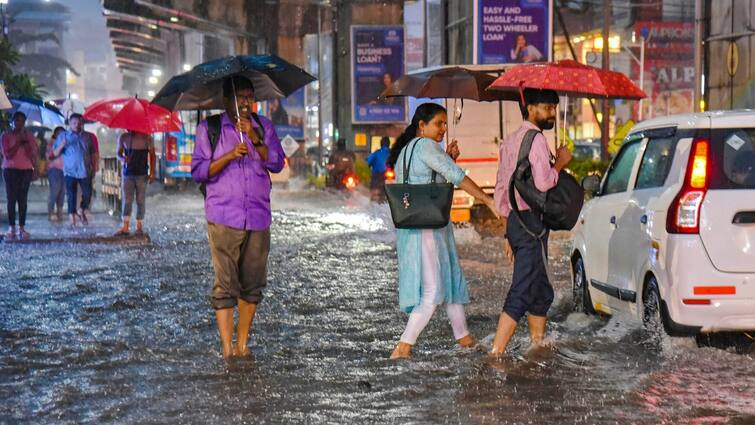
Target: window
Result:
[459, 36]
[656, 162]
[621, 169]
[733, 151]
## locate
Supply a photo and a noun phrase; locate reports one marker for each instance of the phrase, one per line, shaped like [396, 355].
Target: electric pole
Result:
[606, 58]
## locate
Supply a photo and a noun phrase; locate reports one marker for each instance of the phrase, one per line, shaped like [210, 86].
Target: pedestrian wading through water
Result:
[428, 264]
[234, 169]
[525, 162]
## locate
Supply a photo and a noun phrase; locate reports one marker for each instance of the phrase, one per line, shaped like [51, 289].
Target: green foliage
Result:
[16, 85]
[9, 56]
[316, 181]
[22, 85]
[581, 168]
[362, 169]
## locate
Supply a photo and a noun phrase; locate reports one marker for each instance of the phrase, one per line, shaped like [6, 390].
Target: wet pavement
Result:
[123, 333]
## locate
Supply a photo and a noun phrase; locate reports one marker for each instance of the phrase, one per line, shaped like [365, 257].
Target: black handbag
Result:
[559, 207]
[419, 206]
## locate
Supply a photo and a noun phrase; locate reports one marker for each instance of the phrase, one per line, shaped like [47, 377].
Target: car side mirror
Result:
[591, 185]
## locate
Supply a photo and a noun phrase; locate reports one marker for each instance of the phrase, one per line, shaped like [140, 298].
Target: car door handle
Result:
[644, 219]
[744, 217]
[613, 220]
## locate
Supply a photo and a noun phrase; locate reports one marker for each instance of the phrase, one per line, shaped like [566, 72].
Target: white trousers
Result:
[421, 314]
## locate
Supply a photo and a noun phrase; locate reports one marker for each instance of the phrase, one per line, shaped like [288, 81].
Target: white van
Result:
[669, 236]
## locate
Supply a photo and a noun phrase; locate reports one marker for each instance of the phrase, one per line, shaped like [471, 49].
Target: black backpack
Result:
[559, 207]
[213, 133]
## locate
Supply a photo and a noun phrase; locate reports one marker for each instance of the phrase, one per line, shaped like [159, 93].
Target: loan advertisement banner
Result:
[513, 31]
[287, 115]
[377, 61]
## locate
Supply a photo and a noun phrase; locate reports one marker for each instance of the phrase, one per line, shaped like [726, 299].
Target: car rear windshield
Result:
[733, 151]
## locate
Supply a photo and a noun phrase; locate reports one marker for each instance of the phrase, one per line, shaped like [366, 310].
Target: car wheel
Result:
[652, 320]
[580, 290]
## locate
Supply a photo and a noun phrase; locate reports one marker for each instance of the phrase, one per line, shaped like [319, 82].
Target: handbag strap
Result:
[411, 156]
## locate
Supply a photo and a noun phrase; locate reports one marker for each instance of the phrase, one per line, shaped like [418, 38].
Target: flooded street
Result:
[93, 333]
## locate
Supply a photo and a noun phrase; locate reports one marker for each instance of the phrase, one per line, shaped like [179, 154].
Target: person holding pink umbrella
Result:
[136, 150]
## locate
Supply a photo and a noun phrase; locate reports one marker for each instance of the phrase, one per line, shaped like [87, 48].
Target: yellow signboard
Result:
[360, 139]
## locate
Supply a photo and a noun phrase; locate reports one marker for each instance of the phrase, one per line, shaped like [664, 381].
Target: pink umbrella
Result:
[133, 114]
[569, 78]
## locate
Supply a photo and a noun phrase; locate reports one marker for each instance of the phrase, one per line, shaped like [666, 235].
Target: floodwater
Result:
[104, 333]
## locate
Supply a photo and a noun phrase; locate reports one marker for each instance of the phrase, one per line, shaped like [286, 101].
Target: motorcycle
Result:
[342, 179]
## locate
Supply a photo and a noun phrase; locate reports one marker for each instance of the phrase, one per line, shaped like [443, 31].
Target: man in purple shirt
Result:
[237, 207]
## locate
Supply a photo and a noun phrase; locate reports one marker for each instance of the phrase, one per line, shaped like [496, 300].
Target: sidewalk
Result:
[100, 229]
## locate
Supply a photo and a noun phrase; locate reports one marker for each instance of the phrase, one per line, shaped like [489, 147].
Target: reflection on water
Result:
[108, 333]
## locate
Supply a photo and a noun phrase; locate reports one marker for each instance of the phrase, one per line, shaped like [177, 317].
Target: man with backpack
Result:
[526, 239]
[233, 156]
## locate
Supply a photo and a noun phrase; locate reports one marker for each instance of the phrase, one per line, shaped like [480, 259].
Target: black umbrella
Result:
[201, 88]
[454, 82]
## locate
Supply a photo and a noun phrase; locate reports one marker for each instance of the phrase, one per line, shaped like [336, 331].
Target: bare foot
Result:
[241, 351]
[467, 341]
[497, 352]
[402, 351]
[228, 352]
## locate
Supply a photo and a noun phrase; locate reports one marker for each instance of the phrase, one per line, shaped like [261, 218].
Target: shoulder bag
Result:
[419, 206]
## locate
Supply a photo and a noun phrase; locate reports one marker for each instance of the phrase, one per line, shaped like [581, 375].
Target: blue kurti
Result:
[452, 289]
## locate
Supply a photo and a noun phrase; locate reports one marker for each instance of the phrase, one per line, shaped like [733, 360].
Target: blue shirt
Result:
[77, 154]
[377, 160]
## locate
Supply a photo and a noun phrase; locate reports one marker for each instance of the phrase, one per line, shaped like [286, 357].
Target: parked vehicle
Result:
[669, 235]
[587, 149]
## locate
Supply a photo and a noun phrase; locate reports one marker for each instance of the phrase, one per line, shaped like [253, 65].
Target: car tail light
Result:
[684, 212]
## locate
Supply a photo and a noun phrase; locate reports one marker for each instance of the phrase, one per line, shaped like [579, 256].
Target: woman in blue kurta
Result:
[428, 265]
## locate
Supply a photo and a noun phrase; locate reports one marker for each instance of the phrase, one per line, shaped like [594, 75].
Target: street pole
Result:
[642, 74]
[606, 67]
[319, 93]
[699, 54]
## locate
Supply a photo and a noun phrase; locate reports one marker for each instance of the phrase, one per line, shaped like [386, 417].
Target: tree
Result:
[16, 85]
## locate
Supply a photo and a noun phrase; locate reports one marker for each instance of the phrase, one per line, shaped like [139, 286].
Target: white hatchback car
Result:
[669, 235]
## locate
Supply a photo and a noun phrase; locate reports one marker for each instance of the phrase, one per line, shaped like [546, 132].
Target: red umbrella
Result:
[133, 114]
[569, 78]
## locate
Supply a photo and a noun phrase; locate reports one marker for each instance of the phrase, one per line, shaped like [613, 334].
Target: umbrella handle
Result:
[566, 106]
[238, 115]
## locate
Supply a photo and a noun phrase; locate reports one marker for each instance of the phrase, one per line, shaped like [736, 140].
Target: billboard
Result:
[512, 31]
[377, 60]
[287, 115]
[669, 68]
